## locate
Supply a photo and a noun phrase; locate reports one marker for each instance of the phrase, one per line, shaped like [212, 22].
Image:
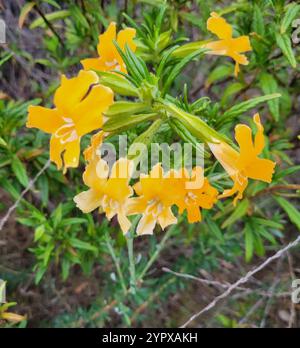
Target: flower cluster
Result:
[80, 105]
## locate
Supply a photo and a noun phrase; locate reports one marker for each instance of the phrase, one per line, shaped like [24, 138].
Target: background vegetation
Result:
[58, 262]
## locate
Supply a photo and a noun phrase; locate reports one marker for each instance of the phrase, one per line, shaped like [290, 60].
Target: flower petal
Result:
[124, 222]
[241, 44]
[259, 141]
[88, 201]
[48, 120]
[193, 214]
[126, 36]
[219, 26]
[146, 225]
[261, 169]
[166, 218]
[73, 90]
[91, 152]
[70, 157]
[71, 154]
[106, 48]
[94, 64]
[88, 113]
[95, 174]
[226, 155]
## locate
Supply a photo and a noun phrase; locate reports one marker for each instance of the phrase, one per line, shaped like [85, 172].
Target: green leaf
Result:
[292, 212]
[24, 12]
[239, 211]
[121, 108]
[72, 221]
[51, 17]
[268, 223]
[242, 107]
[249, 243]
[285, 172]
[39, 274]
[230, 90]
[219, 73]
[6, 57]
[3, 143]
[119, 124]
[292, 11]
[118, 84]
[269, 85]
[39, 232]
[19, 170]
[65, 268]
[57, 215]
[258, 21]
[284, 43]
[180, 66]
[258, 245]
[79, 244]
[215, 229]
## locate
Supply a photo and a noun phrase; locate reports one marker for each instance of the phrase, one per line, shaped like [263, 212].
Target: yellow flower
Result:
[244, 164]
[111, 192]
[157, 193]
[79, 104]
[196, 193]
[109, 58]
[227, 45]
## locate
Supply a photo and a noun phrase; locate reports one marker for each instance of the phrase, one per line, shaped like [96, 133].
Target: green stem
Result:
[116, 262]
[129, 240]
[159, 248]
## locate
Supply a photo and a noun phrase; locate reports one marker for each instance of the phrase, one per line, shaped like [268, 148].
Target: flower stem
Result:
[129, 239]
[159, 248]
[116, 262]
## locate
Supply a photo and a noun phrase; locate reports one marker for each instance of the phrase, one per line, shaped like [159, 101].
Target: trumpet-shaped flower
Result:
[79, 104]
[196, 193]
[109, 192]
[227, 45]
[109, 58]
[244, 164]
[156, 194]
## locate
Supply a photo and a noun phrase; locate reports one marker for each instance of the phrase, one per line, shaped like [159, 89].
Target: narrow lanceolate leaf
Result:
[114, 124]
[126, 108]
[24, 12]
[239, 212]
[19, 171]
[249, 242]
[219, 73]
[118, 84]
[269, 85]
[241, 108]
[51, 17]
[292, 212]
[292, 11]
[180, 66]
[258, 21]
[284, 43]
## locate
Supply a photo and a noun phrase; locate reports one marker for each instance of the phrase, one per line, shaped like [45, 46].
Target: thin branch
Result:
[29, 187]
[242, 280]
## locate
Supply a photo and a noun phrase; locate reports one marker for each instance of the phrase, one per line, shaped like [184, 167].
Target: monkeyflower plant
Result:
[118, 92]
